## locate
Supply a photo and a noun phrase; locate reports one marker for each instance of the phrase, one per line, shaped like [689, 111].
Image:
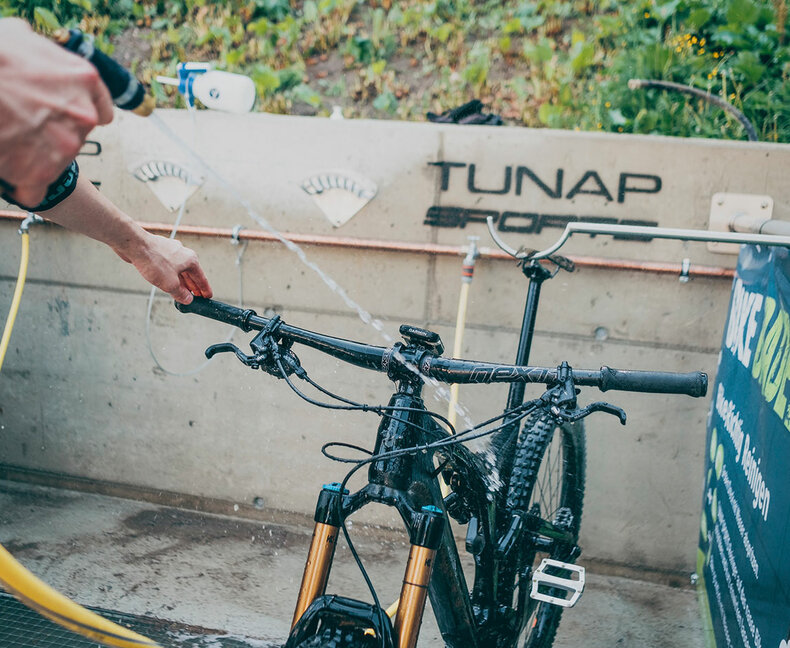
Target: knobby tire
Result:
[545, 452]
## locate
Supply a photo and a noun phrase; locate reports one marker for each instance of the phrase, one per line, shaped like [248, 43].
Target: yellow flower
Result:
[710, 76]
[600, 125]
[702, 42]
[694, 40]
[608, 104]
[619, 129]
[647, 14]
[732, 96]
[702, 51]
[715, 55]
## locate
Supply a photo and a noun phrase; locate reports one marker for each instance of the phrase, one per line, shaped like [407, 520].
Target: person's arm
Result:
[50, 99]
[163, 262]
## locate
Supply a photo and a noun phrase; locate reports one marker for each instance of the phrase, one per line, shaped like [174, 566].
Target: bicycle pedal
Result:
[564, 591]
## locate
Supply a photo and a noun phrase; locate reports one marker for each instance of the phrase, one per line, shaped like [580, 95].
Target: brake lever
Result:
[264, 358]
[228, 347]
[599, 406]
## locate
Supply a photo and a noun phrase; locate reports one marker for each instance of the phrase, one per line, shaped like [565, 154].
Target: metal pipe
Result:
[654, 267]
[745, 223]
[639, 231]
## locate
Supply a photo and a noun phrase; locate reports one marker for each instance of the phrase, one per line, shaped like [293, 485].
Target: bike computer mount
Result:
[422, 339]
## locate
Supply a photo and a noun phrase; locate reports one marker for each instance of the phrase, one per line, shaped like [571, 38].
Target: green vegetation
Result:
[555, 63]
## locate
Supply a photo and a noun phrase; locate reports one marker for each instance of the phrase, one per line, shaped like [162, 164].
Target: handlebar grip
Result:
[219, 311]
[694, 383]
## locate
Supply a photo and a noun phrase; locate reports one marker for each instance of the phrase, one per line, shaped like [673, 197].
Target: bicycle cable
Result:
[383, 410]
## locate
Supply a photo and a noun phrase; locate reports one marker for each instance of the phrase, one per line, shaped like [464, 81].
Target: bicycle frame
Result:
[408, 483]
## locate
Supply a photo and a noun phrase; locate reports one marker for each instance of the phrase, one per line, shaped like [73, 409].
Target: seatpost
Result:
[536, 274]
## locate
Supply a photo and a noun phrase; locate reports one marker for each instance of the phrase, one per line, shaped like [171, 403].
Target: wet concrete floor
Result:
[241, 576]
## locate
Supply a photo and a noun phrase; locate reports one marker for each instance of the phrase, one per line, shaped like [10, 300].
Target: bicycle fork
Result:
[322, 548]
[426, 535]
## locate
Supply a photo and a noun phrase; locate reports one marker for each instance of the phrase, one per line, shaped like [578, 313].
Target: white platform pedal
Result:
[569, 588]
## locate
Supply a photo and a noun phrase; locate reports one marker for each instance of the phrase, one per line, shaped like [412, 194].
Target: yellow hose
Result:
[20, 284]
[460, 325]
[17, 580]
[41, 597]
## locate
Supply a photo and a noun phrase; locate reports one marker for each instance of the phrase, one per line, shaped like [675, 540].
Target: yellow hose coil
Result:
[41, 597]
[31, 591]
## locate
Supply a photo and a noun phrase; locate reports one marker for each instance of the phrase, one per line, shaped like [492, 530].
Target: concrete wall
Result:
[80, 395]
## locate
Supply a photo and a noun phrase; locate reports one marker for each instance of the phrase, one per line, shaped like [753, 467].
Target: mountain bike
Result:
[525, 504]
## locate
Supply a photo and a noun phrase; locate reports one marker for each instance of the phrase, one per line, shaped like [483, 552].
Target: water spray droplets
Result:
[440, 393]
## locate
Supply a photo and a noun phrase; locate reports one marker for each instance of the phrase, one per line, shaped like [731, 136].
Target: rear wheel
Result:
[547, 480]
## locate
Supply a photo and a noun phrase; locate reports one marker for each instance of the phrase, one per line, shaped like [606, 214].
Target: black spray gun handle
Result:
[126, 91]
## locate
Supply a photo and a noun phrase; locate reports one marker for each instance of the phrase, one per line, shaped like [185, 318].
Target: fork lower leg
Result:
[322, 549]
[426, 538]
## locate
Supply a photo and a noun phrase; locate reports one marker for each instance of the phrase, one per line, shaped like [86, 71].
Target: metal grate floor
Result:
[21, 627]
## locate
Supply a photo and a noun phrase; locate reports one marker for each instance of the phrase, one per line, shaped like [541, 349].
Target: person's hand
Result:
[169, 266]
[50, 99]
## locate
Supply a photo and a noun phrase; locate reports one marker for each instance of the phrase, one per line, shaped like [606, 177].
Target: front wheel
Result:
[547, 480]
[341, 637]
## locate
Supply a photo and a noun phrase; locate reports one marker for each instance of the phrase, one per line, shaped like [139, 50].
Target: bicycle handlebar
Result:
[445, 369]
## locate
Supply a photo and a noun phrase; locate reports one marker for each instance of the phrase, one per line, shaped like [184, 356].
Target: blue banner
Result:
[744, 552]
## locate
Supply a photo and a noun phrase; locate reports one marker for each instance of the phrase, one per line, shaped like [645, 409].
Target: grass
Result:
[555, 63]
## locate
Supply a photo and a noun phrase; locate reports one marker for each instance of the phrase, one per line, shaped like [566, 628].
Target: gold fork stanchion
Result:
[426, 537]
[322, 549]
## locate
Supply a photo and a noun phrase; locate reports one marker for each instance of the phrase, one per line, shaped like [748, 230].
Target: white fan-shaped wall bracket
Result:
[170, 182]
[339, 194]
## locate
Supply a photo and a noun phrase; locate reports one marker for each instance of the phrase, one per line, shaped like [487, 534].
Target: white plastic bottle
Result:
[224, 91]
[217, 90]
